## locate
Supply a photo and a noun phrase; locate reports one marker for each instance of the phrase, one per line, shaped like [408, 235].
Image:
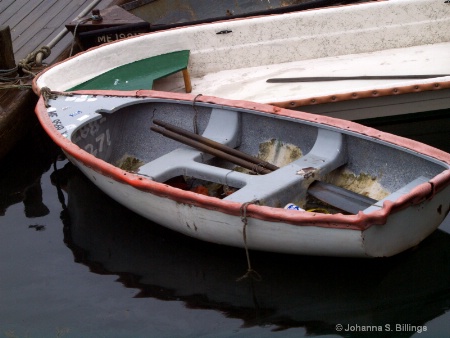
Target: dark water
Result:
[73, 263]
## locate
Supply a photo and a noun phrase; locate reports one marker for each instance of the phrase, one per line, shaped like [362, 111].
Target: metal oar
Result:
[349, 78]
[339, 197]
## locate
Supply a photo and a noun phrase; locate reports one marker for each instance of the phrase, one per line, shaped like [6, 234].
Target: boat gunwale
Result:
[360, 221]
[420, 86]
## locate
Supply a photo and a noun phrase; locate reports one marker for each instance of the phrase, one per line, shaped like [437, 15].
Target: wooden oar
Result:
[210, 150]
[216, 145]
[348, 78]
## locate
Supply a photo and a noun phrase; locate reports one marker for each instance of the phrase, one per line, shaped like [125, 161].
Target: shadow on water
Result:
[21, 171]
[311, 292]
[428, 127]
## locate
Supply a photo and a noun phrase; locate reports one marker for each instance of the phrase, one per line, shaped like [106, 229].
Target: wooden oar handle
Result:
[210, 150]
[216, 145]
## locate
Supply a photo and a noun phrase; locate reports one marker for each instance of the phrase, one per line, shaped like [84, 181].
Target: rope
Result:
[6, 75]
[49, 94]
[24, 66]
[8, 71]
[250, 272]
[75, 32]
[15, 86]
[27, 64]
[196, 114]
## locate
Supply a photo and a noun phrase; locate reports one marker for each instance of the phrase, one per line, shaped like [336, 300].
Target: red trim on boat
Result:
[376, 92]
[360, 221]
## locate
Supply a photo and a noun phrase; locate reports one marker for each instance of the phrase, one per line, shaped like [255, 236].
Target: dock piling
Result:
[8, 67]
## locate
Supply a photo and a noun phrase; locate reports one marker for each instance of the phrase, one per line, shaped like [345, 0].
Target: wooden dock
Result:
[34, 24]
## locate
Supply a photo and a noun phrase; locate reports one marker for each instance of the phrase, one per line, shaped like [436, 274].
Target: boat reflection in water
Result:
[21, 170]
[294, 291]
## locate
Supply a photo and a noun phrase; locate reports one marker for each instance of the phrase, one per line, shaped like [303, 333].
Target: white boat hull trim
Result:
[385, 38]
[408, 181]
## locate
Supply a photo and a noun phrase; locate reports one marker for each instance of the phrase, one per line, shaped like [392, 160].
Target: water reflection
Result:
[21, 171]
[315, 293]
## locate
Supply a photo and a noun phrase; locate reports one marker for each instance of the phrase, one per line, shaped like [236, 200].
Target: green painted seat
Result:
[141, 74]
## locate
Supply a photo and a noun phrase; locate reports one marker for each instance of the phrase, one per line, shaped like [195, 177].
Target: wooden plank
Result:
[112, 17]
[97, 37]
[9, 8]
[51, 23]
[33, 23]
[22, 14]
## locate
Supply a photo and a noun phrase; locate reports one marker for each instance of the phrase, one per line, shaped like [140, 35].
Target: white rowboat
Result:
[383, 193]
[394, 55]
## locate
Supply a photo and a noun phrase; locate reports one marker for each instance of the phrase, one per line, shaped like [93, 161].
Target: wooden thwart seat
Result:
[141, 74]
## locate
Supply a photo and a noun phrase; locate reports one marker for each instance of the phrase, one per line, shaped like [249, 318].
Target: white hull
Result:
[407, 183]
[220, 228]
[395, 37]
[213, 226]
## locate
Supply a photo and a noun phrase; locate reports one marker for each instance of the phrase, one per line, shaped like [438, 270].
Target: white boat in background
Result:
[143, 16]
[223, 171]
[394, 55]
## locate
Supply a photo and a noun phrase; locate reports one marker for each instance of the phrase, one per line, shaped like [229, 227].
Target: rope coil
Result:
[34, 59]
[8, 71]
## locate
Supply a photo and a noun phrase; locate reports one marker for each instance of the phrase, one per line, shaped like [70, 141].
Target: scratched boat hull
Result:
[234, 59]
[409, 181]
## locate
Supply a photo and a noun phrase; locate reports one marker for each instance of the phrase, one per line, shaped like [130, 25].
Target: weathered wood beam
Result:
[7, 61]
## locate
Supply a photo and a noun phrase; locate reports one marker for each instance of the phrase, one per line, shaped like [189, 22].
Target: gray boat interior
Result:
[322, 153]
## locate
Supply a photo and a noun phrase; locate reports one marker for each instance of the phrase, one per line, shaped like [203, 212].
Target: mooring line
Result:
[250, 272]
[196, 113]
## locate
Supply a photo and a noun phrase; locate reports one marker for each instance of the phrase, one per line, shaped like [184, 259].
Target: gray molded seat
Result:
[290, 183]
[188, 161]
[284, 185]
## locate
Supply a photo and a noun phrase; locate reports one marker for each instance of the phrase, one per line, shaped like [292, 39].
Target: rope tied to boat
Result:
[4, 73]
[250, 272]
[48, 94]
[75, 33]
[12, 78]
[196, 113]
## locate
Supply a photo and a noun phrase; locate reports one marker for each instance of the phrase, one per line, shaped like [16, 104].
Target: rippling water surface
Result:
[73, 263]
